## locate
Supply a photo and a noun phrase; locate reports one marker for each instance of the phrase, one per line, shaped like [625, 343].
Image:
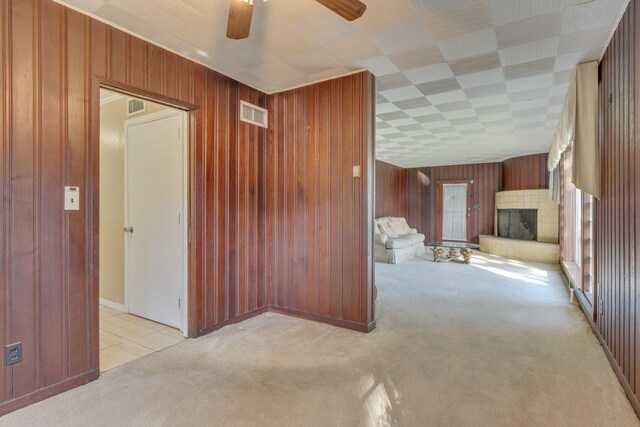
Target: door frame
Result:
[469, 204]
[134, 121]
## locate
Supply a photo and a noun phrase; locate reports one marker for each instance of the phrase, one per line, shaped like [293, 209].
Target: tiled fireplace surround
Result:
[546, 248]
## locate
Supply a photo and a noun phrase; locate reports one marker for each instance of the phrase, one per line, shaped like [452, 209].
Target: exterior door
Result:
[155, 218]
[454, 211]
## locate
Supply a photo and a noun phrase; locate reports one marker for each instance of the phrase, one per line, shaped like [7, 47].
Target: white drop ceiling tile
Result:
[590, 39]
[86, 5]
[386, 108]
[443, 98]
[204, 34]
[422, 111]
[250, 56]
[506, 11]
[405, 35]
[590, 15]
[436, 125]
[466, 18]
[529, 30]
[352, 51]
[429, 73]
[429, 7]
[401, 94]
[159, 13]
[379, 66]
[386, 131]
[284, 43]
[322, 31]
[402, 122]
[495, 117]
[469, 44]
[315, 61]
[470, 126]
[126, 20]
[529, 83]
[330, 73]
[489, 101]
[529, 105]
[459, 114]
[569, 61]
[554, 109]
[382, 13]
[529, 52]
[559, 90]
[214, 10]
[481, 78]
[416, 58]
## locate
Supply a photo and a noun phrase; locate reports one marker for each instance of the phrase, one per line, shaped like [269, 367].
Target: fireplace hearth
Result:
[519, 224]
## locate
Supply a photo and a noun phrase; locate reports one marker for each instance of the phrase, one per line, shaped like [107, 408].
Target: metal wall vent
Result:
[253, 114]
[135, 106]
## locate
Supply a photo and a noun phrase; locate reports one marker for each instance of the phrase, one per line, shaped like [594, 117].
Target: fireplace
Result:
[518, 223]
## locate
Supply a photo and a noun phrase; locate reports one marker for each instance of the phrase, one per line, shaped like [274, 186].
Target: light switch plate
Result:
[71, 198]
[357, 172]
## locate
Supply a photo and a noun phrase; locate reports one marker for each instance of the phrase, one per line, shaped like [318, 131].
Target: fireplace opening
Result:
[518, 223]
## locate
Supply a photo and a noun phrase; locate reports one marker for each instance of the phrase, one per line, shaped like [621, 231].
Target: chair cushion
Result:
[386, 229]
[404, 241]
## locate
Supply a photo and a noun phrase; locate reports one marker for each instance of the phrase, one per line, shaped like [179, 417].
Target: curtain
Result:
[554, 184]
[565, 131]
[578, 124]
[586, 150]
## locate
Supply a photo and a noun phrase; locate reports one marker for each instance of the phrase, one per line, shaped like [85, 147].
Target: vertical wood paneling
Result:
[525, 173]
[5, 178]
[318, 214]
[391, 190]
[422, 199]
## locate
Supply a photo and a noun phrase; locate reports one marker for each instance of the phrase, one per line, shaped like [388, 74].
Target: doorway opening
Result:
[143, 249]
[454, 210]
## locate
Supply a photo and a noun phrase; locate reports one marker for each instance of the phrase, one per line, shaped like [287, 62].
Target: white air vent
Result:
[253, 114]
[135, 106]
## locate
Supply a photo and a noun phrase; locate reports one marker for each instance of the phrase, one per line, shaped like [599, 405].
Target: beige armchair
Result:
[395, 241]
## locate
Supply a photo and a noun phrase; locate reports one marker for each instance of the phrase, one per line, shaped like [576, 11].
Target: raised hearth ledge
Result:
[525, 250]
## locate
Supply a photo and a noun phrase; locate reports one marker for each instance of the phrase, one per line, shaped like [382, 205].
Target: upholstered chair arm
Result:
[380, 238]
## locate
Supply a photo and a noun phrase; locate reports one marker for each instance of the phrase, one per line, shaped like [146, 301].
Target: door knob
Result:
[128, 230]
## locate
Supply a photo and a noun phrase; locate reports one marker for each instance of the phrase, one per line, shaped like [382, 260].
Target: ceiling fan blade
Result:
[239, 23]
[348, 9]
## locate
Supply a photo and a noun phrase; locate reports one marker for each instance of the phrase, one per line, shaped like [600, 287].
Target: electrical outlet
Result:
[12, 353]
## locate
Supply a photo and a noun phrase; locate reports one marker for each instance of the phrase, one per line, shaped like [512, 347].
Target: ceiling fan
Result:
[240, 11]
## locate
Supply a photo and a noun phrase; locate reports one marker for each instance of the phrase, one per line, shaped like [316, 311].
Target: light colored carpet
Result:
[489, 344]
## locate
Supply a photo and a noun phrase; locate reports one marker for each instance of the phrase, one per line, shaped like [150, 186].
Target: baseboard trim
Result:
[47, 392]
[237, 319]
[114, 305]
[587, 310]
[323, 319]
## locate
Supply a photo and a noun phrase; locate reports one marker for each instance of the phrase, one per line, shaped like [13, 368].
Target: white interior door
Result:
[154, 218]
[454, 212]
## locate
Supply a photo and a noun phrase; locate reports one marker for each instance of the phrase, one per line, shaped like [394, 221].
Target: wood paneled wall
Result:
[422, 200]
[258, 204]
[391, 194]
[617, 220]
[318, 216]
[525, 173]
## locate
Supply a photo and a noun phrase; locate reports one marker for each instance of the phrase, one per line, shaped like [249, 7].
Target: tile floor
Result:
[125, 337]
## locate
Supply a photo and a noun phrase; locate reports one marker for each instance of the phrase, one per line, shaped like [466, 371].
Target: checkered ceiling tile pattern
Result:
[459, 81]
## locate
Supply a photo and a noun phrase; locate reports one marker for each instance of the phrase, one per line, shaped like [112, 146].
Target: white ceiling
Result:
[459, 81]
